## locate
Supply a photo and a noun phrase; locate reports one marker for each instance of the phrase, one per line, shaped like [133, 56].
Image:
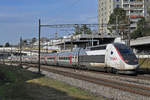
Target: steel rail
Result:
[136, 89]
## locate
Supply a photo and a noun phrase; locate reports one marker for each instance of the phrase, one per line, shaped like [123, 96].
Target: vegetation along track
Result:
[138, 76]
[139, 79]
[132, 88]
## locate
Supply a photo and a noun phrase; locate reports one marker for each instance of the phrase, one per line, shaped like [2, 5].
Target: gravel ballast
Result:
[99, 90]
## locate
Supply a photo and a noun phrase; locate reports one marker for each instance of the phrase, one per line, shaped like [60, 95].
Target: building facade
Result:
[135, 9]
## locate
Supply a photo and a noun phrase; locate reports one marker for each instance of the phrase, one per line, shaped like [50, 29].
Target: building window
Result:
[117, 6]
[117, 0]
[132, 0]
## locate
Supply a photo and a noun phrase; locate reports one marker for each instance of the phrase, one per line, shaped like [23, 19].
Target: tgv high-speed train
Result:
[115, 58]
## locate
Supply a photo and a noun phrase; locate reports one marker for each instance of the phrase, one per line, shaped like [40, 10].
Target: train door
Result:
[76, 58]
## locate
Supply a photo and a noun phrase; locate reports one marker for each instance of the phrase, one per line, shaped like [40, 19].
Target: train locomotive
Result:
[114, 58]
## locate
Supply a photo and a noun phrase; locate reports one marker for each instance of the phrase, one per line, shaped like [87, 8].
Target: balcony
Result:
[136, 16]
[136, 8]
[133, 25]
[126, 8]
[137, 3]
[134, 20]
[126, 2]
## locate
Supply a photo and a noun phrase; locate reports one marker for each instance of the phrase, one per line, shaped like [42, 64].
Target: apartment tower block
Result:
[135, 9]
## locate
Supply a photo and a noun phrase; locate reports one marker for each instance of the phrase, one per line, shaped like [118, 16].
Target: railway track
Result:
[142, 77]
[129, 87]
[132, 88]
[133, 79]
[145, 77]
[141, 90]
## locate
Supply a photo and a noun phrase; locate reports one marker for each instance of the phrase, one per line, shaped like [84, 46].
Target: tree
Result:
[83, 29]
[24, 42]
[118, 17]
[7, 44]
[139, 32]
[77, 30]
[33, 40]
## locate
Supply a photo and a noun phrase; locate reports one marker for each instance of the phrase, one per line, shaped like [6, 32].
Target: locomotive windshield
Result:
[126, 53]
[125, 50]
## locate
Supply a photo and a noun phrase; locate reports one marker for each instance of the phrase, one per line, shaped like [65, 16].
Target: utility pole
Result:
[47, 46]
[83, 30]
[64, 45]
[11, 54]
[3, 55]
[128, 35]
[39, 64]
[92, 39]
[102, 29]
[20, 51]
[117, 24]
[71, 43]
[31, 49]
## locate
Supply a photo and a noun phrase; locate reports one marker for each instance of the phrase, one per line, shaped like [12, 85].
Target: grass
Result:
[71, 91]
[13, 85]
[144, 63]
[19, 84]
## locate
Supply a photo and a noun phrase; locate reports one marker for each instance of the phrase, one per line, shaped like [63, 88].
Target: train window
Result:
[50, 58]
[59, 58]
[62, 58]
[68, 58]
[98, 48]
[123, 49]
[111, 52]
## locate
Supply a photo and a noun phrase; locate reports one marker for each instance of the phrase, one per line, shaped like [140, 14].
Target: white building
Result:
[135, 9]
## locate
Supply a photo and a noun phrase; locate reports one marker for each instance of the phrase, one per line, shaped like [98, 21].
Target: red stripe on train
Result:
[119, 54]
[55, 59]
[70, 58]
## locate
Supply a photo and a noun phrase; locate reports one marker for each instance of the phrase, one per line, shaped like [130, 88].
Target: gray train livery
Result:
[114, 58]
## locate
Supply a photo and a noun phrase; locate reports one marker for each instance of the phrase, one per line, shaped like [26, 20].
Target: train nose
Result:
[130, 61]
[131, 67]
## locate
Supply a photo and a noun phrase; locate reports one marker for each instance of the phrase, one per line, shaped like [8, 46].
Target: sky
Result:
[19, 18]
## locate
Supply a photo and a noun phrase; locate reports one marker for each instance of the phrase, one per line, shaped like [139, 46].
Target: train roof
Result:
[120, 45]
[97, 47]
[67, 53]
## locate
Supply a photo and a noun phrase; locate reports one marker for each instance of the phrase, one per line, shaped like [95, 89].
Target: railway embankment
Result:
[108, 88]
[144, 63]
[17, 83]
